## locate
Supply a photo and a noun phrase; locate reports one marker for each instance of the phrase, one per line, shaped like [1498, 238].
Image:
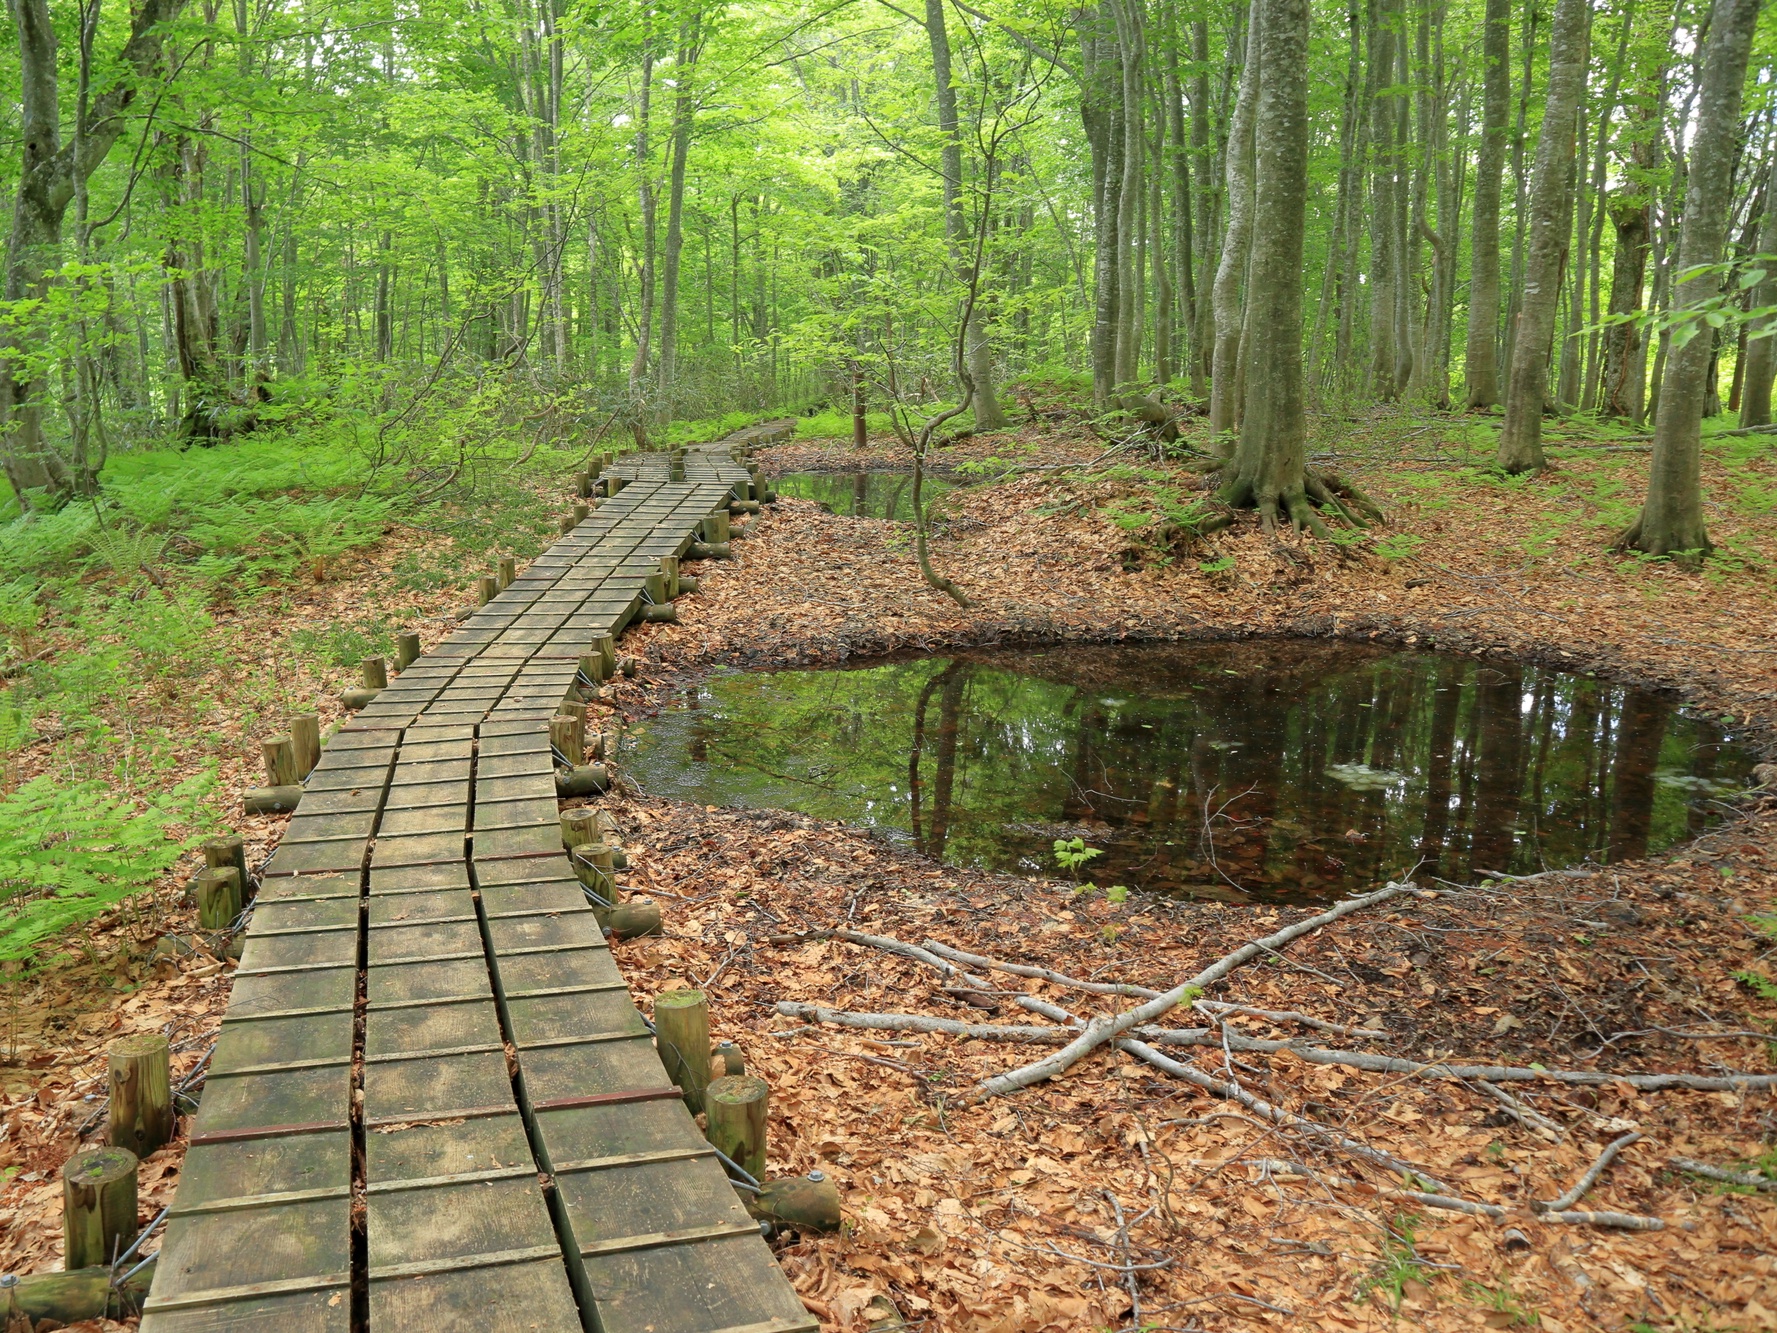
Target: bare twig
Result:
[1585, 1182]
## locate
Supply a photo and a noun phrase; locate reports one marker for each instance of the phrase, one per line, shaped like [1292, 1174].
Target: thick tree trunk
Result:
[1101, 115]
[638, 368]
[48, 171]
[1761, 353]
[1620, 382]
[1269, 466]
[1224, 401]
[1520, 440]
[1671, 521]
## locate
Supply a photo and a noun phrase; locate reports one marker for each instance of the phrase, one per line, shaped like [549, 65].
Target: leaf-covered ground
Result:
[1000, 1215]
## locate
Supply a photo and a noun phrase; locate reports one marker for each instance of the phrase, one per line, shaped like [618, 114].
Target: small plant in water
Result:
[1072, 853]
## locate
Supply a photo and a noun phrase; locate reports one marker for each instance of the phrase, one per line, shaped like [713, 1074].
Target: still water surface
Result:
[863, 494]
[1296, 770]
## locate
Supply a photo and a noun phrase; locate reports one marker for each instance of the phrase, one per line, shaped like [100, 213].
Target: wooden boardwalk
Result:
[434, 1104]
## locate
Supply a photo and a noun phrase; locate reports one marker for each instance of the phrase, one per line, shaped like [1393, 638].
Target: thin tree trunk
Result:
[1761, 352]
[1224, 405]
[1384, 159]
[638, 368]
[1481, 348]
[1521, 181]
[1520, 440]
[684, 71]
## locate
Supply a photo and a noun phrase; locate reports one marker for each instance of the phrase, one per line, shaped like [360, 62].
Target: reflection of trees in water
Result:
[1201, 766]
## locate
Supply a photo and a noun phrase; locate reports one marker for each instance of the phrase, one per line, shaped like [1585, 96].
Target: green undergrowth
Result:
[122, 671]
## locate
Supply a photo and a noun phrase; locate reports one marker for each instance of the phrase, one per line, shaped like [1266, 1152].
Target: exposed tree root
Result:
[1301, 505]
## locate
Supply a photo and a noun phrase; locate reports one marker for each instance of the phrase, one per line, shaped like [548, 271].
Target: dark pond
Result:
[1288, 769]
[864, 494]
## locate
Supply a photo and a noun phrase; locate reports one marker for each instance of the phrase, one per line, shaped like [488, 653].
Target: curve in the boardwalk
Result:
[427, 1035]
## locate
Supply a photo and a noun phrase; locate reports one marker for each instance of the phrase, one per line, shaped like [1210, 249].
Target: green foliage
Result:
[1397, 1265]
[345, 644]
[1072, 853]
[1756, 982]
[71, 850]
[1398, 545]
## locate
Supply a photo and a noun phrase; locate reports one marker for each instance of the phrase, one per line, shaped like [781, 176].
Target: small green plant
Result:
[1220, 565]
[1756, 982]
[1398, 545]
[1395, 1267]
[1072, 853]
[1117, 893]
[1501, 1301]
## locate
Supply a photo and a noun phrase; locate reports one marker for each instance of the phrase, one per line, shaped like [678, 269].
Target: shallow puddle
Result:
[863, 494]
[1269, 770]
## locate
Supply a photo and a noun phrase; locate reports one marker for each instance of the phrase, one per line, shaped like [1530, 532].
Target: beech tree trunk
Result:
[1383, 157]
[49, 172]
[1761, 353]
[1269, 467]
[1551, 194]
[1671, 521]
[1224, 397]
[690, 45]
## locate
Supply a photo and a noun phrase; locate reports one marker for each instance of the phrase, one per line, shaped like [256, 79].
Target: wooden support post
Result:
[271, 800]
[715, 528]
[579, 827]
[801, 1203]
[632, 920]
[305, 735]
[566, 735]
[734, 1064]
[218, 897]
[140, 1116]
[407, 651]
[229, 852]
[656, 586]
[98, 1206]
[583, 483]
[566, 525]
[606, 646]
[376, 673]
[508, 571]
[737, 1106]
[280, 760]
[682, 1035]
[581, 510]
[592, 867]
[669, 573]
[688, 583]
[68, 1298]
[582, 780]
[487, 587]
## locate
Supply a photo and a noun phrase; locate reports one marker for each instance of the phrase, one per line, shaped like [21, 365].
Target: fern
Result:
[71, 851]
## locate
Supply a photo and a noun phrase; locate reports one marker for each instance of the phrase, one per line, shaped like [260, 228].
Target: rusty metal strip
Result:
[247, 1133]
[659, 1239]
[290, 1286]
[633, 1159]
[243, 1201]
[667, 1093]
[495, 1259]
[459, 1178]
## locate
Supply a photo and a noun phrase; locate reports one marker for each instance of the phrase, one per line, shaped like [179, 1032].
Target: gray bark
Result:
[1761, 353]
[1481, 349]
[1671, 521]
[1551, 193]
[1224, 402]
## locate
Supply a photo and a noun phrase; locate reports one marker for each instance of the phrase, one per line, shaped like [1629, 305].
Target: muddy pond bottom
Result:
[864, 494]
[1282, 770]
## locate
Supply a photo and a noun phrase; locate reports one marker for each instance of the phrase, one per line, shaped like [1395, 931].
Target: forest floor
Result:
[1115, 1196]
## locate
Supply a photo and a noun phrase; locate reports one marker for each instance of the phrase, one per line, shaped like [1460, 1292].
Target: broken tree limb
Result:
[949, 1027]
[1217, 1008]
[1619, 1221]
[1039, 973]
[1106, 1028]
[1746, 1179]
[1585, 1182]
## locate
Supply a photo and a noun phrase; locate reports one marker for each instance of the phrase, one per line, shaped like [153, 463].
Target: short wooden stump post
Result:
[98, 1206]
[407, 651]
[140, 1116]
[280, 761]
[218, 897]
[487, 587]
[737, 1105]
[228, 852]
[375, 673]
[508, 571]
[567, 734]
[682, 1032]
[579, 827]
[305, 735]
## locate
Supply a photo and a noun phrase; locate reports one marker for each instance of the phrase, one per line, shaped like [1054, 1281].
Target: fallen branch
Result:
[1585, 1182]
[1747, 1179]
[1527, 1116]
[1216, 1008]
[950, 1027]
[1039, 973]
[1620, 1221]
[1106, 1028]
